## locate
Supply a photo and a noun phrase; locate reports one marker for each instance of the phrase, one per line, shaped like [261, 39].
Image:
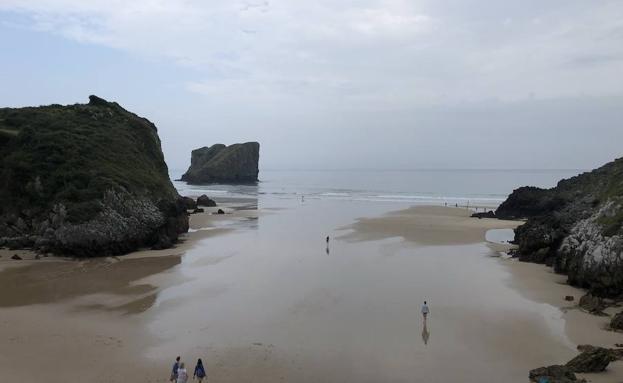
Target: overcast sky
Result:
[337, 84]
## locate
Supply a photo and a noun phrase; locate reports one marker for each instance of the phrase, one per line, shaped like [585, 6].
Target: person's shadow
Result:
[425, 333]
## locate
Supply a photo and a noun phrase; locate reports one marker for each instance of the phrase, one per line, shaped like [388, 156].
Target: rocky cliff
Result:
[577, 227]
[218, 163]
[84, 180]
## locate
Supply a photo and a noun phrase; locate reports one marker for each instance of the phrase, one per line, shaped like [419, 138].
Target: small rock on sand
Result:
[16, 257]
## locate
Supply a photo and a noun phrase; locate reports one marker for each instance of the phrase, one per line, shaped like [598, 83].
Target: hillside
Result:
[577, 227]
[85, 180]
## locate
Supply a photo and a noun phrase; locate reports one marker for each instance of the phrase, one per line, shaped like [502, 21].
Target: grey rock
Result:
[593, 359]
[236, 163]
[204, 200]
[553, 374]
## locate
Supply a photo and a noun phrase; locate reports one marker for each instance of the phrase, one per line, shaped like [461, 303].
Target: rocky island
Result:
[85, 180]
[576, 227]
[218, 163]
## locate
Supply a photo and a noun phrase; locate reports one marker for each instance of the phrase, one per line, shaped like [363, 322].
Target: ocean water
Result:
[462, 187]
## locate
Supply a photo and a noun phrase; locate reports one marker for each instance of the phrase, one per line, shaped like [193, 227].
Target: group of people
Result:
[179, 374]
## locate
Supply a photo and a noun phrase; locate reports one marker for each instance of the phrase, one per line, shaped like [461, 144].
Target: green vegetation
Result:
[73, 154]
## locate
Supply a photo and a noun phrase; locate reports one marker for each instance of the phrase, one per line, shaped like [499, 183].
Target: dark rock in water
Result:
[85, 180]
[198, 210]
[218, 163]
[16, 257]
[220, 211]
[569, 298]
[593, 359]
[488, 214]
[553, 374]
[592, 304]
[204, 200]
[189, 203]
[617, 322]
[616, 353]
[577, 227]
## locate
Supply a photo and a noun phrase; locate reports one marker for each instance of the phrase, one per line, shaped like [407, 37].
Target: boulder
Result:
[569, 298]
[617, 322]
[488, 214]
[220, 211]
[237, 163]
[553, 374]
[204, 200]
[16, 257]
[592, 359]
[189, 203]
[198, 210]
[592, 304]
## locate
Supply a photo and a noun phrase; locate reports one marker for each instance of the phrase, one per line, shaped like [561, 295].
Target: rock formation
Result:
[218, 163]
[576, 227]
[204, 200]
[85, 180]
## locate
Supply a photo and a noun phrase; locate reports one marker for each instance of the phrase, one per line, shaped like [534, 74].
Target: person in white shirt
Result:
[425, 310]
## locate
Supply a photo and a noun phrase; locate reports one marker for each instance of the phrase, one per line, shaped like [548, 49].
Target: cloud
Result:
[370, 53]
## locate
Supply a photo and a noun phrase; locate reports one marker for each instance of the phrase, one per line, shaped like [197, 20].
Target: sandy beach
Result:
[259, 296]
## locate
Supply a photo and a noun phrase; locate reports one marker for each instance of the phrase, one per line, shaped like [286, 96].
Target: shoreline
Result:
[100, 327]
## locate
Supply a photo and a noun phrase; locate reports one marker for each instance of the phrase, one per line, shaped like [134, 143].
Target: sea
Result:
[462, 187]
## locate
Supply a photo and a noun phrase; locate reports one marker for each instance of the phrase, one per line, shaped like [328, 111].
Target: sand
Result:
[427, 225]
[257, 295]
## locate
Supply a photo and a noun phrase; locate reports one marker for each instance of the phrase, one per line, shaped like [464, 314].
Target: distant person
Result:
[200, 371]
[425, 310]
[327, 239]
[182, 374]
[175, 369]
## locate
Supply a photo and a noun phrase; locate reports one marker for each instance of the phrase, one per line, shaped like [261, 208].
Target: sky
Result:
[326, 84]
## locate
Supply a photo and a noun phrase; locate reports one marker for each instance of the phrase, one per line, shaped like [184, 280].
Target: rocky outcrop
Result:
[85, 180]
[554, 374]
[189, 203]
[487, 214]
[592, 359]
[576, 227]
[204, 200]
[617, 322]
[236, 163]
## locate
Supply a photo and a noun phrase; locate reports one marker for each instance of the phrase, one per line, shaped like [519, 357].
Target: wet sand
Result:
[260, 297]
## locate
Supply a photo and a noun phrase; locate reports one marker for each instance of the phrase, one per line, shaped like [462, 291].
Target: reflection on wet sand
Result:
[49, 282]
[425, 333]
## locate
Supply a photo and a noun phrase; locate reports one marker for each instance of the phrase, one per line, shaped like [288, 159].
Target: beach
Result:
[259, 296]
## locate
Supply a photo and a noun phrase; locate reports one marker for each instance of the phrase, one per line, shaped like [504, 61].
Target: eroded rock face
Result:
[576, 227]
[236, 163]
[85, 180]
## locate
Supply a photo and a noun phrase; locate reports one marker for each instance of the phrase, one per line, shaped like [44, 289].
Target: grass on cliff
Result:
[73, 154]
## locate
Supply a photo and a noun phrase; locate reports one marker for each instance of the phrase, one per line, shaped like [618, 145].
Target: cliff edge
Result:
[237, 163]
[84, 180]
[576, 227]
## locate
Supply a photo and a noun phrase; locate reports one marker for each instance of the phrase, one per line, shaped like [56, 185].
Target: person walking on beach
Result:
[200, 372]
[425, 310]
[327, 240]
[175, 369]
[182, 375]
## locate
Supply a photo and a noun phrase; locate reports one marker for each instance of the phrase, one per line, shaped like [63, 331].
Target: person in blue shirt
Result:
[176, 367]
[200, 372]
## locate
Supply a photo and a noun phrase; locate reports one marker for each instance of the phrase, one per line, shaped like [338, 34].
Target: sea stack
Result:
[85, 180]
[237, 163]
